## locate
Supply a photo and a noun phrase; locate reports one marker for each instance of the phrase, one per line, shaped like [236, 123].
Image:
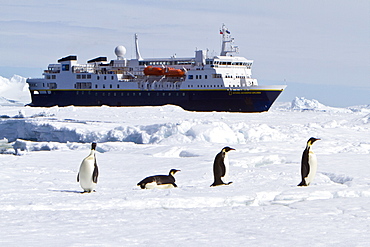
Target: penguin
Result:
[88, 173]
[221, 167]
[308, 164]
[159, 181]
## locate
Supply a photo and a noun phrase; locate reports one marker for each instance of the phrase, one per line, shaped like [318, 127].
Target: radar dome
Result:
[120, 51]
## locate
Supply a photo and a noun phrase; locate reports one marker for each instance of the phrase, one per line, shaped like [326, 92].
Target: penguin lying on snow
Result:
[88, 173]
[159, 181]
[308, 164]
[221, 167]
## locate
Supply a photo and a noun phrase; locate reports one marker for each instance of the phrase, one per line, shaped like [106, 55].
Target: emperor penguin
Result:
[159, 181]
[88, 173]
[221, 167]
[308, 164]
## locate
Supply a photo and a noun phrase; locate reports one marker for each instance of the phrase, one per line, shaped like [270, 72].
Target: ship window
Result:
[190, 77]
[205, 77]
[98, 77]
[110, 86]
[103, 85]
[83, 85]
[83, 76]
[78, 76]
[65, 67]
[105, 77]
[53, 77]
[96, 85]
[112, 77]
[196, 77]
[200, 76]
[88, 76]
[117, 85]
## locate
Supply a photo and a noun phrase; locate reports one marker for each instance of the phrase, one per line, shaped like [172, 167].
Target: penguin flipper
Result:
[95, 173]
[305, 167]
[219, 165]
[145, 181]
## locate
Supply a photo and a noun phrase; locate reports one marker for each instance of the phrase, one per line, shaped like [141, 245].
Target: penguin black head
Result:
[93, 146]
[173, 171]
[312, 140]
[227, 149]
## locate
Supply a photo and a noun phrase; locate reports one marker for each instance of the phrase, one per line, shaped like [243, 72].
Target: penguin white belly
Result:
[225, 178]
[154, 185]
[86, 174]
[312, 162]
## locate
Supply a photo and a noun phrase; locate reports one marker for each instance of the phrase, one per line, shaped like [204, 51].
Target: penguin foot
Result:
[303, 183]
[214, 184]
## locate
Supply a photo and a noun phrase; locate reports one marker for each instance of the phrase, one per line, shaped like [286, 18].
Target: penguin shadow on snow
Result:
[71, 191]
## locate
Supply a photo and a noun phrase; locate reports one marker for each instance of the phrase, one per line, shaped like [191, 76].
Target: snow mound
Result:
[14, 91]
[303, 104]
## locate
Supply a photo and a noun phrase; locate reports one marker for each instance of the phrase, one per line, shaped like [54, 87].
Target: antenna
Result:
[138, 56]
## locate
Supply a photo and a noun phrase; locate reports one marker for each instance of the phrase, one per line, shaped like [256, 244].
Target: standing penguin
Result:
[88, 173]
[308, 164]
[221, 167]
[159, 181]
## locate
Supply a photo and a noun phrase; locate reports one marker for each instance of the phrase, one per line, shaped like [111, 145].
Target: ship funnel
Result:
[138, 56]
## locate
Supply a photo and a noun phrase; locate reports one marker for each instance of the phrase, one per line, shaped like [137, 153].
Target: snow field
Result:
[41, 203]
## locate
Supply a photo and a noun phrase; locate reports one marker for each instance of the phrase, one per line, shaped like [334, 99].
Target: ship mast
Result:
[138, 56]
[227, 42]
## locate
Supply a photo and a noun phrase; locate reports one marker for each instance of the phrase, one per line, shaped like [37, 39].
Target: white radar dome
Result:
[120, 51]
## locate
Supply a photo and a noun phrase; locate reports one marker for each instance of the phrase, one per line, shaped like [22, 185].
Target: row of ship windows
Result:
[89, 77]
[188, 62]
[184, 62]
[177, 94]
[88, 85]
[80, 76]
[191, 77]
[209, 86]
[228, 63]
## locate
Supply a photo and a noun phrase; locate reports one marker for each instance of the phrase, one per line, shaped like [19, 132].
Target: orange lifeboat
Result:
[173, 72]
[150, 70]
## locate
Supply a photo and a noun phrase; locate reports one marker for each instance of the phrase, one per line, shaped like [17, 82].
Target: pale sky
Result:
[319, 48]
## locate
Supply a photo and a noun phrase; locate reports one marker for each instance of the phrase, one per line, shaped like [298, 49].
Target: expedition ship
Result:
[200, 83]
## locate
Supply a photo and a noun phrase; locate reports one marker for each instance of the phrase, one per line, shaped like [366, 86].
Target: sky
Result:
[319, 48]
